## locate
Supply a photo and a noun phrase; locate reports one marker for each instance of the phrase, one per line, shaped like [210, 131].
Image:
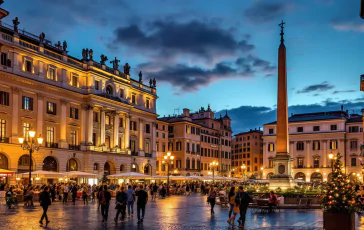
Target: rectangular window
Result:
[353, 161]
[316, 162]
[4, 98]
[333, 127]
[73, 137]
[333, 144]
[74, 113]
[270, 147]
[147, 103]
[74, 80]
[188, 147]
[96, 117]
[28, 66]
[147, 128]
[353, 144]
[50, 137]
[270, 163]
[26, 128]
[133, 100]
[299, 129]
[353, 129]
[163, 148]
[2, 129]
[94, 139]
[51, 108]
[300, 146]
[97, 85]
[316, 128]
[316, 145]
[300, 162]
[147, 147]
[52, 74]
[121, 122]
[27, 103]
[4, 59]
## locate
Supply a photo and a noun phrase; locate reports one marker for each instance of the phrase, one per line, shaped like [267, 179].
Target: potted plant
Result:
[339, 200]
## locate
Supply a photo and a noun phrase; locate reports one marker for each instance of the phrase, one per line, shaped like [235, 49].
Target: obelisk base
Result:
[282, 177]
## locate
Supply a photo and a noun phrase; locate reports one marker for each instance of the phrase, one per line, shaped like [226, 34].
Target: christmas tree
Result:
[339, 195]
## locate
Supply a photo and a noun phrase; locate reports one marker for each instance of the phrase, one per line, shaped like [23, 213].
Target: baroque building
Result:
[195, 140]
[247, 150]
[312, 137]
[93, 118]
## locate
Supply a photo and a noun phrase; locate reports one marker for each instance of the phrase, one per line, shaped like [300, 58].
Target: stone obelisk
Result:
[282, 161]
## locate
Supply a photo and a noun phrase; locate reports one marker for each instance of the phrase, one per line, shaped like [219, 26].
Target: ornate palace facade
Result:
[312, 137]
[93, 118]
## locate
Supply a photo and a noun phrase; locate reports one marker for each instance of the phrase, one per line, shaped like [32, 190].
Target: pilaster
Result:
[15, 115]
[127, 133]
[102, 126]
[63, 125]
[40, 114]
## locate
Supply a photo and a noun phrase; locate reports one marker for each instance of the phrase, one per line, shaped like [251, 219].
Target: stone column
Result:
[84, 109]
[41, 69]
[308, 154]
[141, 137]
[324, 143]
[16, 62]
[127, 132]
[40, 114]
[154, 133]
[116, 129]
[15, 116]
[63, 125]
[102, 127]
[90, 125]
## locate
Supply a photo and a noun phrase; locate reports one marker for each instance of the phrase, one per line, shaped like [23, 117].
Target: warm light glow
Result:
[61, 179]
[172, 157]
[40, 139]
[243, 167]
[168, 154]
[317, 170]
[357, 174]
[331, 156]
[163, 162]
[21, 140]
[17, 178]
[37, 178]
[261, 168]
[307, 173]
[31, 133]
[133, 167]
[165, 157]
[175, 171]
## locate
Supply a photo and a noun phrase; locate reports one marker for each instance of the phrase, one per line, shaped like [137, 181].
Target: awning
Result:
[79, 174]
[130, 175]
[40, 173]
[5, 173]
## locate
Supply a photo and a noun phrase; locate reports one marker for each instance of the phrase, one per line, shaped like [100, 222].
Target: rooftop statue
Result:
[91, 53]
[103, 59]
[140, 77]
[127, 69]
[16, 23]
[115, 63]
[41, 37]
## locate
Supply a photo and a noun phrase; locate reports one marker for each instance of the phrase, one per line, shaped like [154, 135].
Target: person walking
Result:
[84, 195]
[231, 199]
[155, 191]
[65, 193]
[104, 198]
[234, 208]
[121, 200]
[242, 199]
[141, 202]
[45, 202]
[130, 200]
[212, 199]
[74, 193]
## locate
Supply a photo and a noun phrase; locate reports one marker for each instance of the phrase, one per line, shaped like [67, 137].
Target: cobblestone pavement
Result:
[177, 212]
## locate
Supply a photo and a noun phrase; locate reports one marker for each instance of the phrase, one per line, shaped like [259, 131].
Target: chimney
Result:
[186, 112]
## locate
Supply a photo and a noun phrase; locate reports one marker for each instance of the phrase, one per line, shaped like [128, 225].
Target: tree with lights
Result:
[339, 196]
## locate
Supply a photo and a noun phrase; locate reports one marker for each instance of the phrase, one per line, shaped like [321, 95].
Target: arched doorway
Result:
[148, 169]
[134, 167]
[4, 163]
[316, 177]
[109, 168]
[50, 164]
[23, 164]
[72, 165]
[300, 176]
[269, 175]
[122, 168]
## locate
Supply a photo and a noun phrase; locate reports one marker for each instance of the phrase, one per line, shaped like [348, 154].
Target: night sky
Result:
[222, 53]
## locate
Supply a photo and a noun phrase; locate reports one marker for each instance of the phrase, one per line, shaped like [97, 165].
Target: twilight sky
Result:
[217, 52]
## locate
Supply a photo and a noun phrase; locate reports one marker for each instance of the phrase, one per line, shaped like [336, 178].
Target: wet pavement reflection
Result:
[177, 212]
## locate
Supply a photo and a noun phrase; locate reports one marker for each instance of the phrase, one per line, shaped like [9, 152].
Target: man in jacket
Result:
[131, 198]
[74, 193]
[121, 199]
[242, 199]
[45, 201]
[104, 198]
[141, 202]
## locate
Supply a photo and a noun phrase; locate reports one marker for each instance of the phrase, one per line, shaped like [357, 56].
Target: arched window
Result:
[188, 163]
[50, 164]
[134, 167]
[316, 177]
[107, 169]
[269, 175]
[148, 169]
[72, 165]
[3, 161]
[109, 90]
[23, 164]
[122, 168]
[193, 163]
[300, 176]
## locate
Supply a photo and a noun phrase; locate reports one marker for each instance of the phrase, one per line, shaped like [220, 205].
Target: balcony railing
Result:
[148, 155]
[134, 153]
[51, 145]
[73, 147]
[4, 139]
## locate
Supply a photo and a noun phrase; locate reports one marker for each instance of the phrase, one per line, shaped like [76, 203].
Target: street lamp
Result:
[261, 173]
[31, 146]
[168, 159]
[331, 157]
[213, 165]
[243, 167]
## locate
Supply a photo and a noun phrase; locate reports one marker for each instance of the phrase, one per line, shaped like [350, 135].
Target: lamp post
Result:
[168, 159]
[31, 146]
[261, 173]
[213, 165]
[331, 157]
[243, 167]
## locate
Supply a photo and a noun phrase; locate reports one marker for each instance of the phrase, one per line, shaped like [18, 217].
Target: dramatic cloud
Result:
[169, 38]
[251, 117]
[324, 86]
[267, 11]
[344, 91]
[348, 25]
